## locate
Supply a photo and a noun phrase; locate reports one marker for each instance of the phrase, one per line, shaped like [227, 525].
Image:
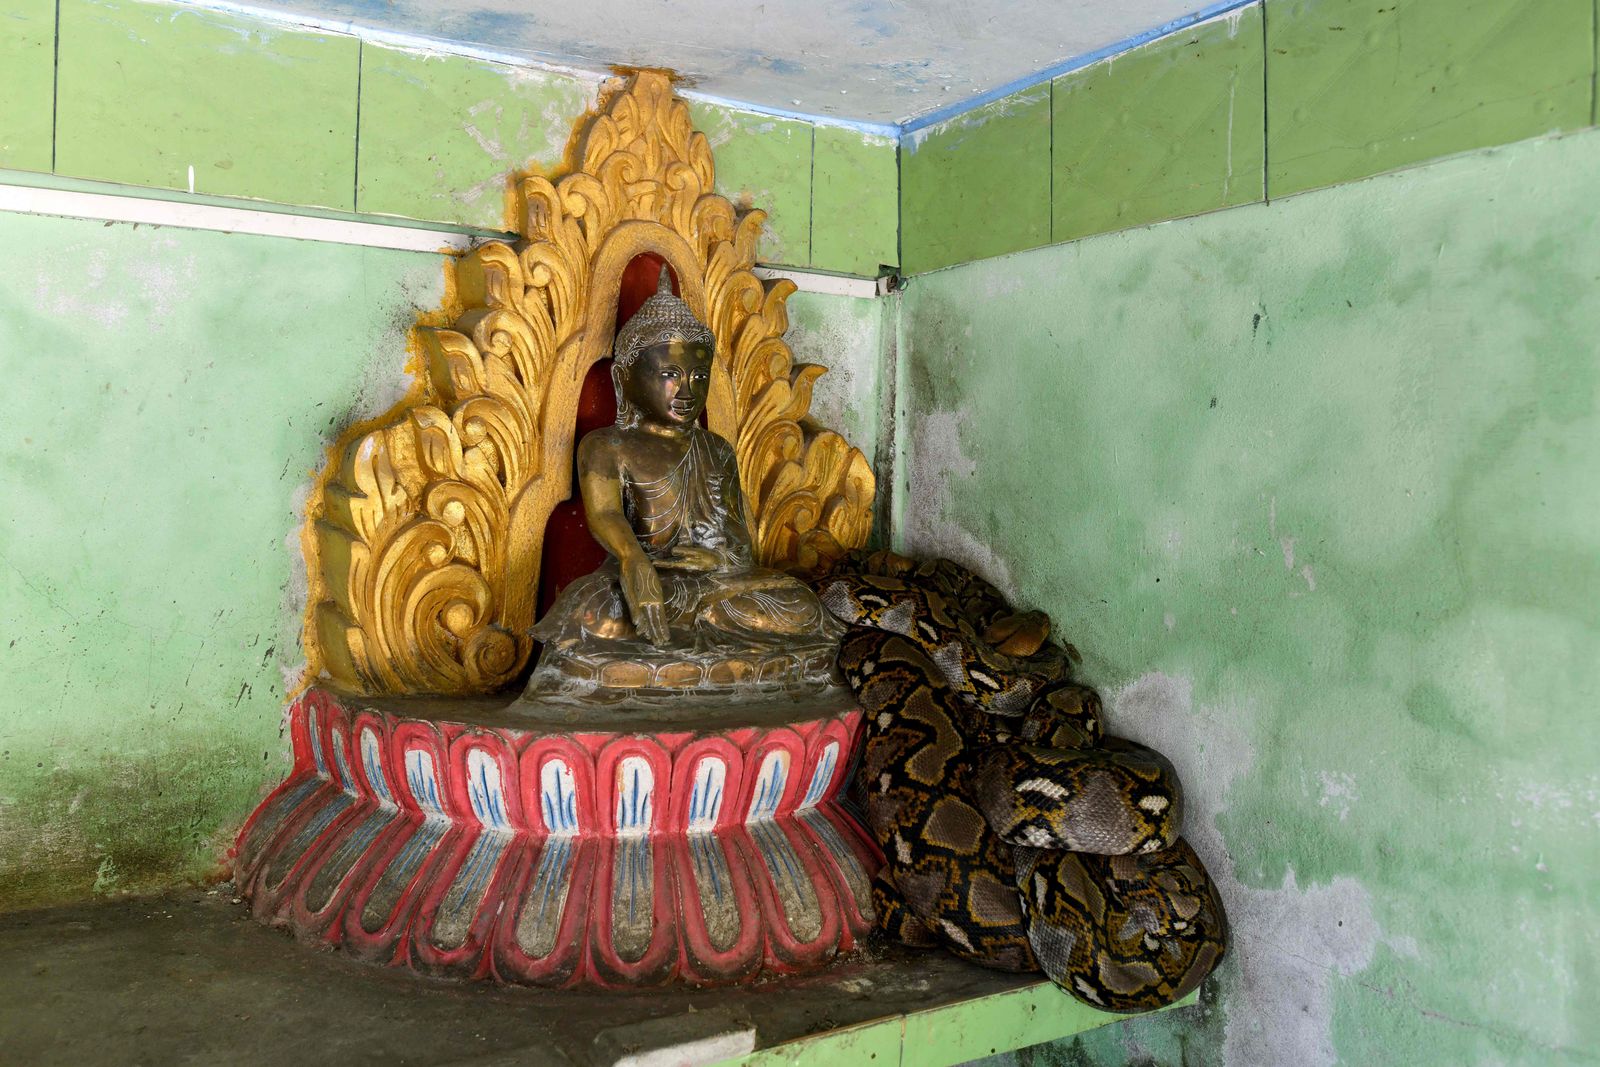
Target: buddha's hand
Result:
[641, 588]
[692, 558]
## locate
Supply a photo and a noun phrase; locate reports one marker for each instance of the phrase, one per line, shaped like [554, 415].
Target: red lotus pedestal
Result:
[483, 839]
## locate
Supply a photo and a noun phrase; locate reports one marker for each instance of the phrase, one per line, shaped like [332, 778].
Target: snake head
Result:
[1020, 635]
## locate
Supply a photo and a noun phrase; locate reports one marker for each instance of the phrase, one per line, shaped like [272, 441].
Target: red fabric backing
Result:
[570, 551]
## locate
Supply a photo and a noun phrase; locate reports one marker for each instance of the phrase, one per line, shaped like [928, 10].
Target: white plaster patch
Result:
[935, 460]
[1285, 543]
[1338, 792]
[167, 284]
[1404, 945]
[849, 342]
[1288, 943]
[491, 147]
[1541, 796]
[60, 283]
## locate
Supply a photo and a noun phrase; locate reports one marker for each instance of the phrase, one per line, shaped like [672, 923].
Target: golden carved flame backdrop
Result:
[423, 540]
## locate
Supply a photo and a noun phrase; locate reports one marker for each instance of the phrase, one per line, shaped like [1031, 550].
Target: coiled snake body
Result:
[1016, 833]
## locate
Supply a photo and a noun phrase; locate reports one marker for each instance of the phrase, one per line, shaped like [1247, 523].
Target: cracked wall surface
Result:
[1312, 487]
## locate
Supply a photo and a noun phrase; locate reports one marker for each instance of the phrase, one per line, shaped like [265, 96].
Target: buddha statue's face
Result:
[668, 383]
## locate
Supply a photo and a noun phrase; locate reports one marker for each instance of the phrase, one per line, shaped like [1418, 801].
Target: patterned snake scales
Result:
[1016, 833]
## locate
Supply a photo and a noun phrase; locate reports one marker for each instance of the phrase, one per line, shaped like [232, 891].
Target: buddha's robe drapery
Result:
[738, 609]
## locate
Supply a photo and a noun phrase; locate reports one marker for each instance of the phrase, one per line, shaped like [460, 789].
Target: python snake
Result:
[1015, 833]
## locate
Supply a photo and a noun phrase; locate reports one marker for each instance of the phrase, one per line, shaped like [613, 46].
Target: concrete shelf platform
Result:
[189, 978]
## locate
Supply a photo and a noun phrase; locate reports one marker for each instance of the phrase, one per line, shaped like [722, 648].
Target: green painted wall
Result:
[849, 336]
[170, 393]
[1313, 488]
[1170, 129]
[764, 162]
[440, 135]
[855, 207]
[27, 82]
[1272, 99]
[978, 185]
[1326, 517]
[1357, 88]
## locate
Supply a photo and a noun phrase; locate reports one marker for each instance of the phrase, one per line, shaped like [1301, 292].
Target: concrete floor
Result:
[191, 978]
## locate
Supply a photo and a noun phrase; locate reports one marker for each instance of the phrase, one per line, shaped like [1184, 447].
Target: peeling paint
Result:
[765, 163]
[846, 335]
[440, 134]
[1354, 601]
[1288, 942]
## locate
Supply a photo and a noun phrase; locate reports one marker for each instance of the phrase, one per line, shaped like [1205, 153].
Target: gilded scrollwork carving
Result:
[423, 539]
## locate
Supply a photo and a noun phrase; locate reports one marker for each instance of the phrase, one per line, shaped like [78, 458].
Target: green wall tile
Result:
[978, 185]
[1356, 87]
[985, 1026]
[27, 82]
[146, 91]
[1171, 129]
[764, 162]
[855, 202]
[440, 133]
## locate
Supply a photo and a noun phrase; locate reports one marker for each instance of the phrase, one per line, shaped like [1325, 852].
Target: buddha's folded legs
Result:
[768, 604]
[756, 604]
[724, 627]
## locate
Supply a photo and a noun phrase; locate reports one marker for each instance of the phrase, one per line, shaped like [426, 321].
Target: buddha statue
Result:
[680, 602]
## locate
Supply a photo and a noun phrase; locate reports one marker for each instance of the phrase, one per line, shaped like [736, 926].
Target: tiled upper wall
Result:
[1274, 98]
[170, 97]
[1357, 88]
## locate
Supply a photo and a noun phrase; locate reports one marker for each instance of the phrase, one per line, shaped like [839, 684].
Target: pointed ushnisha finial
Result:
[662, 318]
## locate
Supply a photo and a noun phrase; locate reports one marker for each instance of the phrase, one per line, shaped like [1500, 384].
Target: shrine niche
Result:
[661, 803]
[423, 541]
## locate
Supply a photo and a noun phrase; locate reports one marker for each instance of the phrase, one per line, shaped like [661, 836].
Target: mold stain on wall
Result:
[847, 335]
[171, 392]
[1311, 485]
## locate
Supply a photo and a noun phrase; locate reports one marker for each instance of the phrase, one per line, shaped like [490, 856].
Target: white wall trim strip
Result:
[112, 207]
[117, 208]
[826, 284]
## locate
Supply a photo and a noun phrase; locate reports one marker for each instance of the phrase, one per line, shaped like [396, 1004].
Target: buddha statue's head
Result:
[662, 371]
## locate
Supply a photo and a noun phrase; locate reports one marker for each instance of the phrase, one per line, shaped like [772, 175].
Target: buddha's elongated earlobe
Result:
[626, 416]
